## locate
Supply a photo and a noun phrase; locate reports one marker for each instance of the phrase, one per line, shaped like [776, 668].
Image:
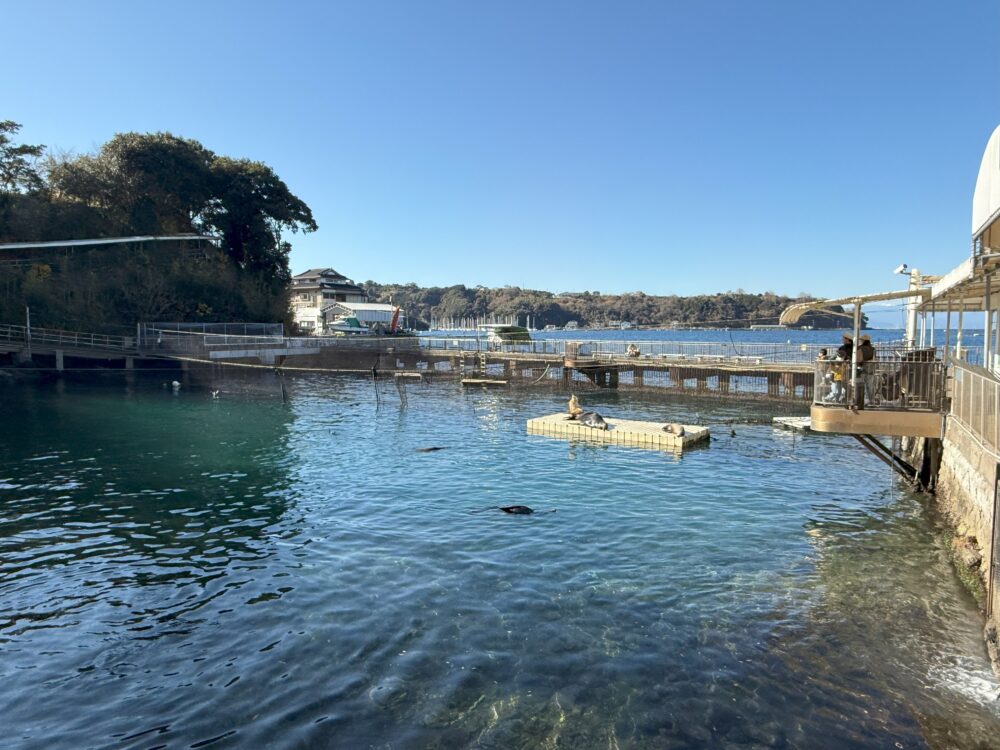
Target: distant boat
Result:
[626, 325]
[551, 327]
[498, 333]
[571, 326]
[348, 324]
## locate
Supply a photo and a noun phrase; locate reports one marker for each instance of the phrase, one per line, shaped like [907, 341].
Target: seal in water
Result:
[431, 449]
[593, 419]
[674, 429]
[514, 510]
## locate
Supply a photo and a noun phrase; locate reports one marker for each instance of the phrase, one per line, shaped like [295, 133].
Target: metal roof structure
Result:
[105, 241]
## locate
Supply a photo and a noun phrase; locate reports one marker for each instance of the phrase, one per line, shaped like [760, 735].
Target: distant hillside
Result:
[737, 309]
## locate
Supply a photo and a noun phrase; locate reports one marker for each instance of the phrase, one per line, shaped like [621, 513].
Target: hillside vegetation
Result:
[143, 184]
[737, 309]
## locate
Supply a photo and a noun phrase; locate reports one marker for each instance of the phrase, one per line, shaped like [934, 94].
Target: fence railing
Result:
[975, 402]
[69, 339]
[656, 350]
[911, 381]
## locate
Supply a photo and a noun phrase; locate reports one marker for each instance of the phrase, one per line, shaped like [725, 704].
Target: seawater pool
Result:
[181, 571]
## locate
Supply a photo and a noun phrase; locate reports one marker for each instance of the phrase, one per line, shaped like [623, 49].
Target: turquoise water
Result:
[181, 571]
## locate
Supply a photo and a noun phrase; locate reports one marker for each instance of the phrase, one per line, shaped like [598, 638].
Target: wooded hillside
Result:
[143, 184]
[737, 309]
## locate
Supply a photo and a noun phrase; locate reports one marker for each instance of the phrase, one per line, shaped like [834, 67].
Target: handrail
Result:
[975, 402]
[75, 339]
[908, 382]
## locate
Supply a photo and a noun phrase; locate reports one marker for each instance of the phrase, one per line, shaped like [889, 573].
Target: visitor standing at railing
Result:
[866, 363]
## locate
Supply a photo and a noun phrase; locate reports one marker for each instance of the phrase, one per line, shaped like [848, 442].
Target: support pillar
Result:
[129, 363]
[788, 383]
[724, 382]
[60, 364]
[987, 327]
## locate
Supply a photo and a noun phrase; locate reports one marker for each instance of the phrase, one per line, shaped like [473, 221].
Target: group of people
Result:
[839, 370]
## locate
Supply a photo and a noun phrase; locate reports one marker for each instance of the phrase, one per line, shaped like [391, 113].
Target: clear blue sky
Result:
[669, 147]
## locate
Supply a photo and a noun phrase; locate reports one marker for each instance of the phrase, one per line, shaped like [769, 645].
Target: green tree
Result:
[141, 183]
[250, 208]
[17, 162]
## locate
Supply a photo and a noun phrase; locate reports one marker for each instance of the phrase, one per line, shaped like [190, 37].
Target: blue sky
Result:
[668, 147]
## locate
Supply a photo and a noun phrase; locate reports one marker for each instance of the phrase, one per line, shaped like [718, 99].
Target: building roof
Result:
[317, 272]
[368, 306]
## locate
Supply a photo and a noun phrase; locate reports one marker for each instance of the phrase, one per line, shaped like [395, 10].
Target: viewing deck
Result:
[900, 394]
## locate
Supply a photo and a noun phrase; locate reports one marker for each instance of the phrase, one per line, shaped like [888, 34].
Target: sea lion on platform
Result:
[592, 419]
[575, 409]
[674, 429]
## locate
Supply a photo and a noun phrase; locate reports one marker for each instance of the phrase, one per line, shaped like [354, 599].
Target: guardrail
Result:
[695, 351]
[975, 402]
[50, 337]
[911, 380]
[602, 348]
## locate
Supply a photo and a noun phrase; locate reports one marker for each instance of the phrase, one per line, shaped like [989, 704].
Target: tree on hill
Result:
[141, 184]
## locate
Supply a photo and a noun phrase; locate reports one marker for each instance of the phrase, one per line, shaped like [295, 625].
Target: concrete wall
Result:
[965, 484]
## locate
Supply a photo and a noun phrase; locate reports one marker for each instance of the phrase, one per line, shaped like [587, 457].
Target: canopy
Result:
[792, 313]
[986, 199]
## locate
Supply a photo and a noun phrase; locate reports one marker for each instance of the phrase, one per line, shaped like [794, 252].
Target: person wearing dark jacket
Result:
[866, 352]
[846, 349]
[866, 367]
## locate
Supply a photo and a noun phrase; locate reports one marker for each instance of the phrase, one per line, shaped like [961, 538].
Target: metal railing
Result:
[975, 402]
[911, 380]
[50, 337]
[641, 350]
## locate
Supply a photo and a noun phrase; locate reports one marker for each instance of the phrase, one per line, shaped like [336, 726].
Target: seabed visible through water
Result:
[186, 571]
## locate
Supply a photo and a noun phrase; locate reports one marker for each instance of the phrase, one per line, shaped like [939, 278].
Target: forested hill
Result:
[143, 184]
[737, 309]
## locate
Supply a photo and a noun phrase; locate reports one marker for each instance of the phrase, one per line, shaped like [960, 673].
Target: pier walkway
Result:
[755, 369]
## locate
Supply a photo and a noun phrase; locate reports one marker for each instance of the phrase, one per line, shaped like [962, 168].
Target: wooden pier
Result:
[574, 368]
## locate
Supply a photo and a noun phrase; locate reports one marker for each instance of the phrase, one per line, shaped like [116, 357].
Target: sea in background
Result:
[736, 336]
[183, 571]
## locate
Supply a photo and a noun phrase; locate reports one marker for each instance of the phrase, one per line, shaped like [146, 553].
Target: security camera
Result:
[901, 268]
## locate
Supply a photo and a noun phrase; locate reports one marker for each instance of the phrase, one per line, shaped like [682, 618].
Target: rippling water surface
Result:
[181, 571]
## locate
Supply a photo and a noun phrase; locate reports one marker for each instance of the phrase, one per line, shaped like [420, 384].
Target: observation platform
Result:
[626, 432]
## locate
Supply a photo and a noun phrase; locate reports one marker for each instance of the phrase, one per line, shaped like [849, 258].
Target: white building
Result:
[317, 289]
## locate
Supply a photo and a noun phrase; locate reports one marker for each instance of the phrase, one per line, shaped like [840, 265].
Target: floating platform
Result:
[628, 432]
[483, 381]
[800, 424]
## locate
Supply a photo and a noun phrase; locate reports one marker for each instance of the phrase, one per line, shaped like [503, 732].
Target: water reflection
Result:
[185, 571]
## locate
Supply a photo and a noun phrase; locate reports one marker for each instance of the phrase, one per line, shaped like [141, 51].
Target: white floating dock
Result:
[628, 432]
[801, 424]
